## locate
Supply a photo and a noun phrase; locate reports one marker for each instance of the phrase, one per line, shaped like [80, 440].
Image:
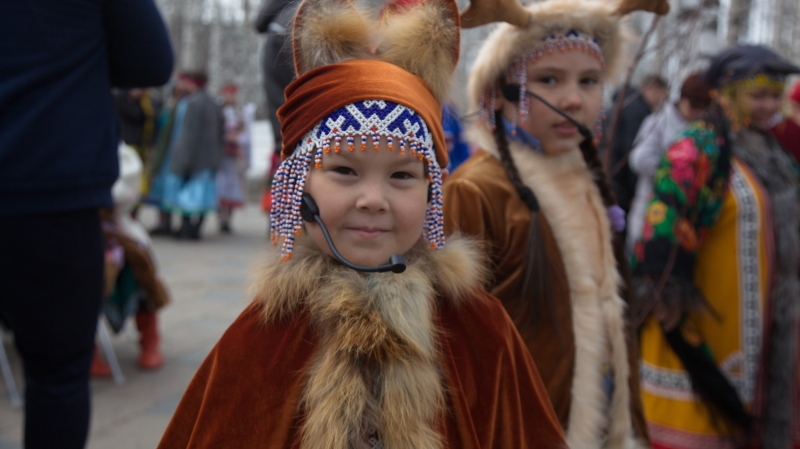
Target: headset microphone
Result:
[511, 92]
[310, 212]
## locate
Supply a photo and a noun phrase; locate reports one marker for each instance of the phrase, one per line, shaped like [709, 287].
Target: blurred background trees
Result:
[218, 36]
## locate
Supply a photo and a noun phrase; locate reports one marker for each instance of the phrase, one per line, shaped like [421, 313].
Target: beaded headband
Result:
[401, 127]
[518, 73]
[760, 80]
[737, 112]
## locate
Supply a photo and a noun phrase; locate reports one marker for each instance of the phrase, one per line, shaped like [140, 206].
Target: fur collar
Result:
[567, 196]
[377, 367]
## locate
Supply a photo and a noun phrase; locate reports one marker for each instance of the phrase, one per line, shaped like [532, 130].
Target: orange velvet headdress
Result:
[381, 78]
[312, 97]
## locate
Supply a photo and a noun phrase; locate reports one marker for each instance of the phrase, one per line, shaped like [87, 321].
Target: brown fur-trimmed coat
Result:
[326, 354]
[586, 326]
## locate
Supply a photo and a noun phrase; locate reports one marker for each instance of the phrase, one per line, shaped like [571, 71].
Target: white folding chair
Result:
[108, 351]
[8, 378]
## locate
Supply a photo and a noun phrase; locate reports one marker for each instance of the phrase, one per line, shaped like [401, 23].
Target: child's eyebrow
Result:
[593, 72]
[548, 69]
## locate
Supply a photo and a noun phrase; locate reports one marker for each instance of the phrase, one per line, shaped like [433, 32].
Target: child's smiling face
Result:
[373, 203]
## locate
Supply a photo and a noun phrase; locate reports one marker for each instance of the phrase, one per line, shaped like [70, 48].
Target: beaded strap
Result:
[377, 118]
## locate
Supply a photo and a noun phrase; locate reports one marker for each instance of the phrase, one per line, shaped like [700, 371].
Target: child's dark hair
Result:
[536, 293]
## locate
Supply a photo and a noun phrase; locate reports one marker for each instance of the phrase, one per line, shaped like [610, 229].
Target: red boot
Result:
[151, 357]
[99, 366]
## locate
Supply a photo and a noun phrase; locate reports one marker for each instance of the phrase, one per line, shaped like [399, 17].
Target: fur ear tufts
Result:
[424, 40]
[660, 7]
[327, 32]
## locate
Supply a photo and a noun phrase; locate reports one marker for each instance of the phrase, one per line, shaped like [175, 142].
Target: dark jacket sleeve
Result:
[139, 50]
[269, 12]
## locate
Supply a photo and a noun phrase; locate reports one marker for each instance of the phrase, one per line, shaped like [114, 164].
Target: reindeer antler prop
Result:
[625, 7]
[482, 12]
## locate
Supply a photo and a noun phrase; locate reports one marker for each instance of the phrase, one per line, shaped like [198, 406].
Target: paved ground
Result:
[208, 281]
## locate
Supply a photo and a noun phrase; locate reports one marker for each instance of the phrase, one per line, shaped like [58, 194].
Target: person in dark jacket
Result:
[59, 60]
[190, 187]
[275, 19]
[637, 105]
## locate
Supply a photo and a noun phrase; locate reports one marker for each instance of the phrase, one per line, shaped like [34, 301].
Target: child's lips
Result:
[566, 129]
[367, 232]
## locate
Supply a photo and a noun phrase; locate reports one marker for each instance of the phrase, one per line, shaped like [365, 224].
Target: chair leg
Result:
[108, 352]
[8, 378]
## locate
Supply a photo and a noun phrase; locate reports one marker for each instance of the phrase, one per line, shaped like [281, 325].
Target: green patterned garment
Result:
[687, 197]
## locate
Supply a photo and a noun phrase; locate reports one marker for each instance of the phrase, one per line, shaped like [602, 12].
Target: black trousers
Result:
[51, 282]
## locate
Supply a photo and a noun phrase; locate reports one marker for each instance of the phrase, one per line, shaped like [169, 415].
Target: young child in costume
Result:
[331, 357]
[537, 195]
[132, 282]
[718, 264]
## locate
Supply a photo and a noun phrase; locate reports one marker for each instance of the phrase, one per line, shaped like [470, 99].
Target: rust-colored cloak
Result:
[248, 391]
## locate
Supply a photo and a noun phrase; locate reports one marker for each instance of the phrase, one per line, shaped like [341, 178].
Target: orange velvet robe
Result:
[246, 393]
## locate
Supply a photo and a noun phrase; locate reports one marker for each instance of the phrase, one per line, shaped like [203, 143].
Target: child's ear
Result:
[327, 32]
[445, 174]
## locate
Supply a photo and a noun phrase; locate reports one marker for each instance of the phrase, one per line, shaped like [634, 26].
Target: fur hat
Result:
[366, 77]
[421, 37]
[594, 20]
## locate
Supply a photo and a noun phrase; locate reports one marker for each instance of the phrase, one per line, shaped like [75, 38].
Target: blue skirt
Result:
[197, 195]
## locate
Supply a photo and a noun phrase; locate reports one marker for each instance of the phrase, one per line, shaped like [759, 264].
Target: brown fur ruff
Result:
[507, 43]
[422, 39]
[377, 365]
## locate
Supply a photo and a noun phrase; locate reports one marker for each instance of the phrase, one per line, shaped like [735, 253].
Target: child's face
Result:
[570, 81]
[761, 104]
[373, 203]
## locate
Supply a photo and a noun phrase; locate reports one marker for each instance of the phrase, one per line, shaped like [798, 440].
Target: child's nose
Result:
[372, 198]
[572, 99]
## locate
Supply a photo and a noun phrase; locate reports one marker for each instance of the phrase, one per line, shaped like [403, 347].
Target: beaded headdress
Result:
[541, 28]
[518, 74]
[402, 128]
[362, 81]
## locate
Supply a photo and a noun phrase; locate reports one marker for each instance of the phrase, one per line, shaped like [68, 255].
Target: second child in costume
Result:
[132, 283]
[330, 357]
[538, 197]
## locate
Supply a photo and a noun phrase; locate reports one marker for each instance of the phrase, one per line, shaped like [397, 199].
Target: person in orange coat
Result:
[331, 355]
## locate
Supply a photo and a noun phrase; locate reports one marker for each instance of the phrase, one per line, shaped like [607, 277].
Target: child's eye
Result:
[342, 170]
[547, 80]
[402, 175]
[589, 81]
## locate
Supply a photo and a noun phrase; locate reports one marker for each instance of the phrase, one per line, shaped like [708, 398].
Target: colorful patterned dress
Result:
[712, 216]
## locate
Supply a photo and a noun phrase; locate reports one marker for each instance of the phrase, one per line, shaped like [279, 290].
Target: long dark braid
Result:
[600, 176]
[536, 293]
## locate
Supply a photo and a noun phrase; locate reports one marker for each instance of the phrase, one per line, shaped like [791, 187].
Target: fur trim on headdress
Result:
[377, 368]
[328, 32]
[422, 41]
[421, 38]
[508, 43]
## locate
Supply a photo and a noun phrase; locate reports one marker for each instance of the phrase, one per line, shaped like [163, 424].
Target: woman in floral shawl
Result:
[718, 268]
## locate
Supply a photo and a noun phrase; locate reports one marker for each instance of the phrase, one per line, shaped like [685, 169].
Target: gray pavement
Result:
[208, 281]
